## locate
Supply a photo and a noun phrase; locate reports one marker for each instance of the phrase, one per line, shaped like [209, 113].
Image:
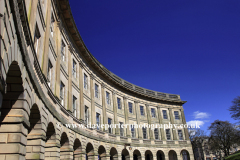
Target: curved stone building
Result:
[49, 79]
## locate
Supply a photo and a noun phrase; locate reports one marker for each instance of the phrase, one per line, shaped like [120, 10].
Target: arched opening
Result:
[125, 154]
[15, 112]
[65, 150]
[51, 149]
[113, 154]
[172, 155]
[185, 155]
[148, 155]
[89, 152]
[102, 153]
[137, 155]
[77, 150]
[160, 155]
[35, 135]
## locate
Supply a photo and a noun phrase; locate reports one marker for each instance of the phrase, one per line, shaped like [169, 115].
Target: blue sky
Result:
[182, 47]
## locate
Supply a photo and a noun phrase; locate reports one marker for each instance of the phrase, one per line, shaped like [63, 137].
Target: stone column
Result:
[92, 156]
[184, 122]
[93, 112]
[46, 40]
[172, 122]
[140, 135]
[128, 133]
[79, 155]
[119, 156]
[104, 111]
[35, 143]
[163, 137]
[149, 121]
[117, 130]
[82, 107]
[69, 93]
[51, 149]
[13, 130]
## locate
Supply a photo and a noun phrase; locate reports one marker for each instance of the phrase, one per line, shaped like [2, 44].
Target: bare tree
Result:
[197, 137]
[235, 108]
[223, 136]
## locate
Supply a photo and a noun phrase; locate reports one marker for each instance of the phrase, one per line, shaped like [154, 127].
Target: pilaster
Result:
[58, 62]
[126, 116]
[160, 118]
[117, 130]
[82, 108]
[104, 106]
[46, 40]
[136, 103]
[93, 112]
[172, 122]
[70, 97]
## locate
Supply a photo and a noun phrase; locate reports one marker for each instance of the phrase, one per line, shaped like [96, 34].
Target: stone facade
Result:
[49, 79]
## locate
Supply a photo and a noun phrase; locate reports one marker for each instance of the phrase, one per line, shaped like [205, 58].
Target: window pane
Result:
[96, 91]
[180, 135]
[109, 123]
[168, 134]
[153, 112]
[144, 130]
[86, 115]
[74, 106]
[63, 51]
[130, 107]
[165, 114]
[85, 81]
[119, 103]
[133, 131]
[142, 110]
[62, 93]
[98, 120]
[176, 115]
[121, 129]
[156, 133]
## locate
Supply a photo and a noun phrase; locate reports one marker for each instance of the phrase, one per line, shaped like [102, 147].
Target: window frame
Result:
[49, 73]
[165, 116]
[156, 135]
[180, 133]
[108, 99]
[121, 129]
[144, 131]
[62, 93]
[86, 114]
[37, 37]
[98, 120]
[130, 107]
[142, 110]
[153, 112]
[63, 51]
[96, 90]
[168, 134]
[133, 131]
[74, 69]
[109, 124]
[176, 115]
[119, 103]
[52, 23]
[85, 81]
[74, 106]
